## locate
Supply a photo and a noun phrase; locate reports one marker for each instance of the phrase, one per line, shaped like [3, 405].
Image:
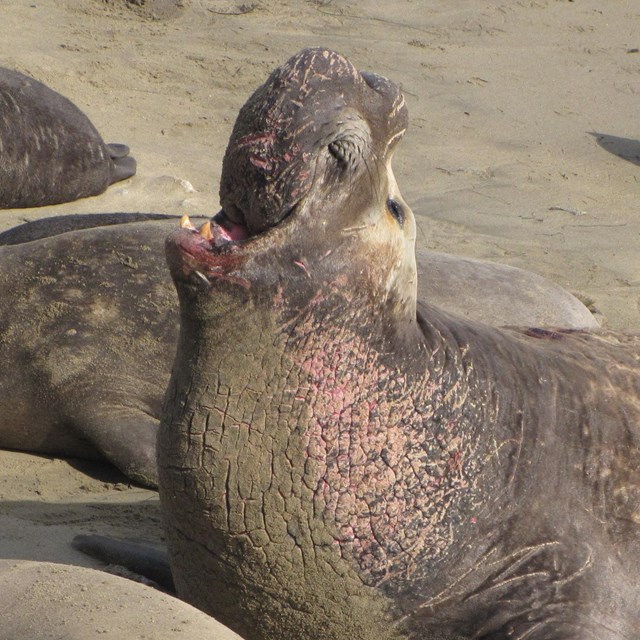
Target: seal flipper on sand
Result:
[126, 437]
[117, 150]
[124, 166]
[141, 558]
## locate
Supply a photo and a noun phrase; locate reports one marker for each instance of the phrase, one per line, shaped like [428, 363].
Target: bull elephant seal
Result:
[89, 319]
[50, 151]
[42, 600]
[336, 461]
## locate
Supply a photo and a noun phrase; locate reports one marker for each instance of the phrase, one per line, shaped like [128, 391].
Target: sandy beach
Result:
[523, 148]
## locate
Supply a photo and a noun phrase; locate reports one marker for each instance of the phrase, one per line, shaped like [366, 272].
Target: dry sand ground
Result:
[523, 148]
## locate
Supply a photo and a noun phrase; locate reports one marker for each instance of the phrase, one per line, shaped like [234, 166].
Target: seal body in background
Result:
[88, 325]
[49, 150]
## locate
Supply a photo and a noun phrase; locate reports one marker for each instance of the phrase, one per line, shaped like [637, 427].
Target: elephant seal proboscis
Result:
[51, 153]
[336, 461]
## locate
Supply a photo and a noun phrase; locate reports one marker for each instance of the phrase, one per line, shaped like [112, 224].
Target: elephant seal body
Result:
[88, 323]
[42, 600]
[496, 294]
[57, 225]
[89, 318]
[50, 151]
[481, 290]
[337, 461]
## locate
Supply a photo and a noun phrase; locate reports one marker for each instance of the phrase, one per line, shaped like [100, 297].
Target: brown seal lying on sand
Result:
[88, 325]
[337, 461]
[485, 291]
[89, 321]
[50, 151]
[497, 294]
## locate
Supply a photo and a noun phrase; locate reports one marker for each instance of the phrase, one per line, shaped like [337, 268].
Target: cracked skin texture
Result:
[89, 317]
[338, 462]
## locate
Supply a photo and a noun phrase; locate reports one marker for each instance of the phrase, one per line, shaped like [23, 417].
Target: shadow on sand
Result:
[625, 148]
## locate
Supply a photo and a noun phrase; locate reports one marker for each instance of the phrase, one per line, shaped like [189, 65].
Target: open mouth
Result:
[222, 236]
[215, 251]
[209, 253]
[220, 231]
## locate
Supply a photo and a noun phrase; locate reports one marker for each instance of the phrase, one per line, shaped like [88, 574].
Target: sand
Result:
[523, 148]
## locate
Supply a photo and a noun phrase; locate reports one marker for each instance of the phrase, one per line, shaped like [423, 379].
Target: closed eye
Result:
[345, 151]
[396, 210]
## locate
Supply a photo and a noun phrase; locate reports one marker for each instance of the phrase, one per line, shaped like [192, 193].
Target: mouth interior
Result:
[229, 228]
[219, 238]
[224, 230]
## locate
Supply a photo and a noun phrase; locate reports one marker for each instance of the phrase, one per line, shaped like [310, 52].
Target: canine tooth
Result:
[205, 231]
[185, 223]
[202, 276]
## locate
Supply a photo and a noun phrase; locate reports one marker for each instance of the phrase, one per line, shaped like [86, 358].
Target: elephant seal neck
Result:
[306, 431]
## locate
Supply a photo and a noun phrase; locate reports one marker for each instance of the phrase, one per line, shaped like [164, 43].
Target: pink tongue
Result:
[229, 232]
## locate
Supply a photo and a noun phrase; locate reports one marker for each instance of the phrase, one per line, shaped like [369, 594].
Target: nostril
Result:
[378, 83]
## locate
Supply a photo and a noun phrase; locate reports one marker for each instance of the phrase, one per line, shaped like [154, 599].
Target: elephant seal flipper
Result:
[117, 150]
[125, 436]
[142, 559]
[124, 166]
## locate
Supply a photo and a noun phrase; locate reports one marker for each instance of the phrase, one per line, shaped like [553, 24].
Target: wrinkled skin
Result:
[335, 462]
[90, 384]
[50, 151]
